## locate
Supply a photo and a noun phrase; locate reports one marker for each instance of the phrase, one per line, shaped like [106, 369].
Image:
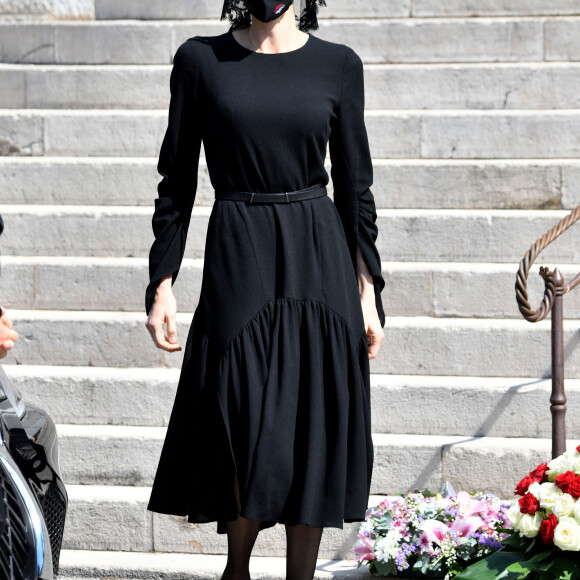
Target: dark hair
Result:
[239, 15]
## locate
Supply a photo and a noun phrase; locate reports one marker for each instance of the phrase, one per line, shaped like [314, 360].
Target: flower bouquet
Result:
[545, 541]
[430, 536]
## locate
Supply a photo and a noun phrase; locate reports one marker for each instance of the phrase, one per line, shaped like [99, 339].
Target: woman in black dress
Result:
[271, 421]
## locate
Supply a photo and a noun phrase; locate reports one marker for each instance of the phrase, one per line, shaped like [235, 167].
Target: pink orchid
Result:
[436, 531]
[466, 526]
[364, 552]
[467, 505]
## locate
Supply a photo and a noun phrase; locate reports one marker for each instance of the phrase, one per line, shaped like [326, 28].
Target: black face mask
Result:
[266, 10]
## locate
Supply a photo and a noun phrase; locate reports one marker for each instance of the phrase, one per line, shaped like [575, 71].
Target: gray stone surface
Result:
[471, 406]
[562, 39]
[412, 345]
[392, 134]
[81, 565]
[404, 235]
[108, 518]
[382, 40]
[98, 86]
[412, 289]
[398, 183]
[440, 8]
[173, 9]
[441, 40]
[20, 134]
[552, 85]
[15, 10]
[498, 134]
[129, 455]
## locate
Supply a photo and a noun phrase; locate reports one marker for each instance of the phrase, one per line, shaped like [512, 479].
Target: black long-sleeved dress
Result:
[275, 382]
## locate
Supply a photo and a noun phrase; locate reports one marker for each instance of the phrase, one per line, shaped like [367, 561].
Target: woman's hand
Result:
[8, 336]
[164, 311]
[374, 330]
[375, 333]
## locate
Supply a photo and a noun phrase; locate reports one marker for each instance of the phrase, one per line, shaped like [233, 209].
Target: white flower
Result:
[567, 534]
[564, 506]
[386, 548]
[529, 525]
[535, 489]
[514, 514]
[549, 494]
[561, 464]
[577, 512]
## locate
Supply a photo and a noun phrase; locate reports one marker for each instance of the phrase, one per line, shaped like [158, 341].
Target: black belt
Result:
[288, 196]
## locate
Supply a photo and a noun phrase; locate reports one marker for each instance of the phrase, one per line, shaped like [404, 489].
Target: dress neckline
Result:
[288, 52]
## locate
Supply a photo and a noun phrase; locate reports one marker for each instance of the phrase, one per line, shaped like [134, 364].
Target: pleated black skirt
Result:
[275, 382]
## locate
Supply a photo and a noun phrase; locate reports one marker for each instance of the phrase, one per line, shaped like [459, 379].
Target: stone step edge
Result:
[136, 261]
[124, 432]
[140, 494]
[81, 564]
[201, 211]
[425, 322]
[453, 382]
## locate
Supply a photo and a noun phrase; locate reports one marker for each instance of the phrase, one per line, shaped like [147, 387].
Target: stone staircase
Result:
[475, 134]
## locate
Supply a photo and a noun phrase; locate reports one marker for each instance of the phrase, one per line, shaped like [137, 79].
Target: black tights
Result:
[302, 543]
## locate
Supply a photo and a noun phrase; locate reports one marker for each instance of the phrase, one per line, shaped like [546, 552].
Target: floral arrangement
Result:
[545, 540]
[436, 536]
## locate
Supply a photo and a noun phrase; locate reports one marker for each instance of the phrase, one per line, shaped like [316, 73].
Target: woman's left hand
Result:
[375, 333]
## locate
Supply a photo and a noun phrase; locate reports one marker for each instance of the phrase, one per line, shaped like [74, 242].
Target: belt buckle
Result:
[287, 198]
[252, 197]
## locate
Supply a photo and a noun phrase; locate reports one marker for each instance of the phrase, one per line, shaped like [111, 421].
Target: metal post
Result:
[558, 398]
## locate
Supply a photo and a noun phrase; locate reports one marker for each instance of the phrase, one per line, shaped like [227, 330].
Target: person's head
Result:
[239, 12]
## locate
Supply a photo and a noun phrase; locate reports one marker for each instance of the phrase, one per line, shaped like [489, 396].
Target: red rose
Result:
[522, 486]
[539, 474]
[574, 488]
[578, 448]
[529, 504]
[564, 480]
[547, 528]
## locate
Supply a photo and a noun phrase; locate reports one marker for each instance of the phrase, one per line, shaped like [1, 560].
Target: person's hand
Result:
[375, 333]
[164, 311]
[8, 335]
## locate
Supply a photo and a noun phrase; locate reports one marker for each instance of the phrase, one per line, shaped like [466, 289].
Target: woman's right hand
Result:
[164, 311]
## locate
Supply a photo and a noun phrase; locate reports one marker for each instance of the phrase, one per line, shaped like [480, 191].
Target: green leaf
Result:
[384, 568]
[561, 568]
[492, 567]
[538, 563]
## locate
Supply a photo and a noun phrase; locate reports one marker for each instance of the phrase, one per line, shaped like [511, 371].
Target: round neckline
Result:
[250, 51]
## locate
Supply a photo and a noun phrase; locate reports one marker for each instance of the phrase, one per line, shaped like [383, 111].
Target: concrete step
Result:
[412, 345]
[447, 289]
[173, 9]
[511, 39]
[105, 517]
[404, 235]
[398, 183]
[89, 564]
[113, 455]
[475, 406]
[538, 85]
[441, 134]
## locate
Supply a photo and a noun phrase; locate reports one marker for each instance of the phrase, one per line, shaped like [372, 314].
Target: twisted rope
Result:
[553, 280]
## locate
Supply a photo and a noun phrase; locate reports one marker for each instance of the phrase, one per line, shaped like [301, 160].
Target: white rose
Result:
[535, 489]
[514, 514]
[564, 506]
[529, 525]
[567, 535]
[560, 464]
[577, 512]
[549, 494]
